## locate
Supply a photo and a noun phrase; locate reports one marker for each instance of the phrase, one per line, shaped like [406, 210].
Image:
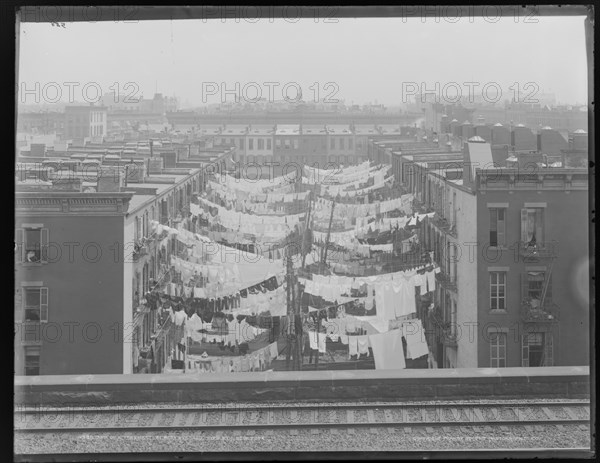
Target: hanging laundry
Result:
[416, 341]
[313, 340]
[352, 345]
[322, 337]
[388, 351]
[430, 280]
[180, 318]
[273, 350]
[405, 295]
[363, 345]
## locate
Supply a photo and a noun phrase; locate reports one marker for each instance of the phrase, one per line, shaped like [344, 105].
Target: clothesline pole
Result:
[306, 230]
[324, 256]
[290, 312]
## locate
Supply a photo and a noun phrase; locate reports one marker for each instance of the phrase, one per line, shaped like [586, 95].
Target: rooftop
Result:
[292, 129]
[339, 129]
[313, 130]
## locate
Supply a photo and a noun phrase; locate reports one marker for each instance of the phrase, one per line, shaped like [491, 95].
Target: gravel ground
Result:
[513, 437]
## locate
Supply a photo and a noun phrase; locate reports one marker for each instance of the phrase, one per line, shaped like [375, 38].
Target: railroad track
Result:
[482, 417]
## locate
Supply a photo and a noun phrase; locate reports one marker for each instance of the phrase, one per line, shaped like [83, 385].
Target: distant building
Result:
[85, 122]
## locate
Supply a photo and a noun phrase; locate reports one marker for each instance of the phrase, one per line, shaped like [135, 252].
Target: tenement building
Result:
[510, 238]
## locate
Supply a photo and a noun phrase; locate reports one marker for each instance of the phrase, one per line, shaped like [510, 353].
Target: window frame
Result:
[42, 307]
[26, 355]
[22, 248]
[495, 226]
[498, 285]
[497, 347]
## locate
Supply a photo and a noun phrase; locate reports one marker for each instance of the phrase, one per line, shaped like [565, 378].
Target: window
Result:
[251, 144]
[498, 290]
[35, 304]
[145, 285]
[241, 143]
[454, 206]
[146, 224]
[532, 225]
[341, 143]
[32, 244]
[533, 287]
[261, 144]
[269, 144]
[332, 144]
[535, 284]
[498, 350]
[278, 143]
[296, 144]
[453, 319]
[537, 350]
[349, 143]
[497, 226]
[286, 143]
[138, 228]
[32, 360]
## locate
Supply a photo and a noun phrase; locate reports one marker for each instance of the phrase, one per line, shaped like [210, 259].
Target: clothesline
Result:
[386, 344]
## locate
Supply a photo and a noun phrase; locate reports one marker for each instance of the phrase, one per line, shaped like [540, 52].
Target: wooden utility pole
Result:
[290, 308]
[324, 252]
[306, 229]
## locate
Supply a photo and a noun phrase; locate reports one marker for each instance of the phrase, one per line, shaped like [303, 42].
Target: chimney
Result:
[110, 179]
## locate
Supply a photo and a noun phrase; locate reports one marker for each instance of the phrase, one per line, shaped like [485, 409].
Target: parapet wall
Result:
[363, 385]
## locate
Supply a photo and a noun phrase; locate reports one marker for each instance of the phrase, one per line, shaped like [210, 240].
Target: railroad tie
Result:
[569, 411]
[478, 415]
[371, 415]
[548, 413]
[350, 416]
[185, 419]
[293, 416]
[388, 416]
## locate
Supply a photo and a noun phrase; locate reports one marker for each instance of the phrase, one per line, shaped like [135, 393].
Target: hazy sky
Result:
[368, 60]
